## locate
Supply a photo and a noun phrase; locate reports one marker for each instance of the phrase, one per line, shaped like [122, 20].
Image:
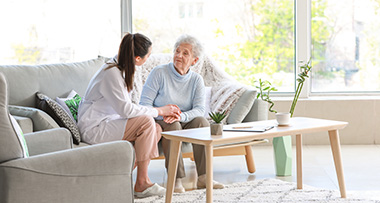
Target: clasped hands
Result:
[174, 115]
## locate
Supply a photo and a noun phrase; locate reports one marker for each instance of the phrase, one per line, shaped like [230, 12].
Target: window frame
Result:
[302, 17]
[302, 41]
[126, 16]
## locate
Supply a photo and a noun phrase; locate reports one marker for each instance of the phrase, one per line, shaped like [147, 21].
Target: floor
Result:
[361, 164]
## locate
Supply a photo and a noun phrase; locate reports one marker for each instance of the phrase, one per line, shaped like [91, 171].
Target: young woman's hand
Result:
[168, 110]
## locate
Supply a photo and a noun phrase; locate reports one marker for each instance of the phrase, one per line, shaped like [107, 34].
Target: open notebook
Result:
[248, 128]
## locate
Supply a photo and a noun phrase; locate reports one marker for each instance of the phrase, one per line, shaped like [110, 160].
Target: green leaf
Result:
[217, 117]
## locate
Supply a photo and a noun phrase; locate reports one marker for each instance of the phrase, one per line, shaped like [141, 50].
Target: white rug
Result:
[270, 191]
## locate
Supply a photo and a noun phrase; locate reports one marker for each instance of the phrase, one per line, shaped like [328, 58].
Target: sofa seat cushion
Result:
[25, 123]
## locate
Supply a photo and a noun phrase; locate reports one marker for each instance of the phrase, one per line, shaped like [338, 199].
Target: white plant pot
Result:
[283, 118]
[216, 129]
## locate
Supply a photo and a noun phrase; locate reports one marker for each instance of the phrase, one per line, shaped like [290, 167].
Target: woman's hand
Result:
[172, 119]
[169, 110]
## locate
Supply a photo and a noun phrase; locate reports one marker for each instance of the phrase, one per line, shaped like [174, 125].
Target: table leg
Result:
[175, 147]
[249, 159]
[299, 160]
[335, 148]
[209, 172]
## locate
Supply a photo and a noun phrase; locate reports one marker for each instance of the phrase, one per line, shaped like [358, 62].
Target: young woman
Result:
[107, 113]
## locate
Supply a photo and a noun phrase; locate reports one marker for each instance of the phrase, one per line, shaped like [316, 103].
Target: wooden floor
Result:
[361, 166]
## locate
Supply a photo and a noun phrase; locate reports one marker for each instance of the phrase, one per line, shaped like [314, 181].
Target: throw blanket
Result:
[225, 91]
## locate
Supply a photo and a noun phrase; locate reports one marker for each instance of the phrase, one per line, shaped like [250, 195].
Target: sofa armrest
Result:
[41, 120]
[97, 173]
[50, 140]
[258, 112]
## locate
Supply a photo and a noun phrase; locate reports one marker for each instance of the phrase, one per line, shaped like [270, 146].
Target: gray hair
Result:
[197, 47]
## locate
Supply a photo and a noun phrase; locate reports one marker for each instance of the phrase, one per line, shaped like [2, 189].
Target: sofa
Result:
[58, 80]
[42, 167]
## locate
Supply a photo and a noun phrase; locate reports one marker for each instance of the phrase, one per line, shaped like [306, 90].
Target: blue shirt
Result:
[165, 85]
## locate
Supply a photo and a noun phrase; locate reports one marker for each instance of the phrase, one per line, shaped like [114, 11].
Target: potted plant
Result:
[305, 69]
[265, 88]
[283, 145]
[217, 127]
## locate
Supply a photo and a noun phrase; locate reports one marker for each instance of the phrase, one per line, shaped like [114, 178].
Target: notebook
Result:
[248, 128]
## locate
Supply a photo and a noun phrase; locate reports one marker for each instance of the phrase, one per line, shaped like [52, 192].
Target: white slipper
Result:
[153, 190]
[202, 183]
[178, 187]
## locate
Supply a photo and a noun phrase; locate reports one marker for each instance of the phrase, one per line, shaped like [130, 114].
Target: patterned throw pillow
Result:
[20, 136]
[70, 104]
[56, 111]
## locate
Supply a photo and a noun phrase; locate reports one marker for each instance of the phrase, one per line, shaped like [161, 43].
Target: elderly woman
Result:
[175, 83]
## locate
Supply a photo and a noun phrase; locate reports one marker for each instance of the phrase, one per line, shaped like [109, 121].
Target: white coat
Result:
[106, 106]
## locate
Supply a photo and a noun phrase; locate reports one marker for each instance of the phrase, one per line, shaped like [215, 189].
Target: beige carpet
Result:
[270, 191]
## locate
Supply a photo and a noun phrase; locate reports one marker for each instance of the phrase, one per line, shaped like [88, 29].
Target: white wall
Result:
[362, 114]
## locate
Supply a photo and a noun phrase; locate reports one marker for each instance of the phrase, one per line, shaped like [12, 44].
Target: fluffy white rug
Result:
[270, 191]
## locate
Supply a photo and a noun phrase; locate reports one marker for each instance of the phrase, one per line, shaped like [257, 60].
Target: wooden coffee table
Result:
[298, 126]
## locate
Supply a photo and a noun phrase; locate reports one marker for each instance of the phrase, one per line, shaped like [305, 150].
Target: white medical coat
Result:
[106, 107]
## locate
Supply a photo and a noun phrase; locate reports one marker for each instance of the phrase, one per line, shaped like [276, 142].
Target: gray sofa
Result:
[56, 173]
[57, 80]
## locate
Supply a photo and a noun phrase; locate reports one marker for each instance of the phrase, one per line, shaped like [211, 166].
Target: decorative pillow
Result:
[56, 111]
[20, 136]
[70, 104]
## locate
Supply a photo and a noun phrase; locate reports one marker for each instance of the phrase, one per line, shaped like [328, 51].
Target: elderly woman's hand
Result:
[172, 119]
[169, 110]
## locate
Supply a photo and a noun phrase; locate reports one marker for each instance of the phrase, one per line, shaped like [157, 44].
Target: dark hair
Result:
[131, 46]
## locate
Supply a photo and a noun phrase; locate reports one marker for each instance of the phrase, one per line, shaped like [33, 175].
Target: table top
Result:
[298, 125]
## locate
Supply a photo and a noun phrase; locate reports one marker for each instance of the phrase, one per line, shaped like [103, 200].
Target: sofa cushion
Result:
[70, 104]
[242, 107]
[56, 111]
[41, 120]
[54, 80]
[25, 123]
[258, 112]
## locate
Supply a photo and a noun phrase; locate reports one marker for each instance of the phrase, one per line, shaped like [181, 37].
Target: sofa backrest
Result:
[53, 80]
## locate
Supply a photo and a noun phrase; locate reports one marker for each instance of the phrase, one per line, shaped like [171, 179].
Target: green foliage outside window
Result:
[269, 45]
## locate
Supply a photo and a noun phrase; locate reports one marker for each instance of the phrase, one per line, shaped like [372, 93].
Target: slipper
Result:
[153, 190]
[178, 187]
[202, 183]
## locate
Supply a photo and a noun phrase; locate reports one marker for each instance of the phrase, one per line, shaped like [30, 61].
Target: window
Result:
[50, 31]
[345, 45]
[248, 40]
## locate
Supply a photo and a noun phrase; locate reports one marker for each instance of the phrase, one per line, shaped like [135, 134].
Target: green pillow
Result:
[70, 104]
